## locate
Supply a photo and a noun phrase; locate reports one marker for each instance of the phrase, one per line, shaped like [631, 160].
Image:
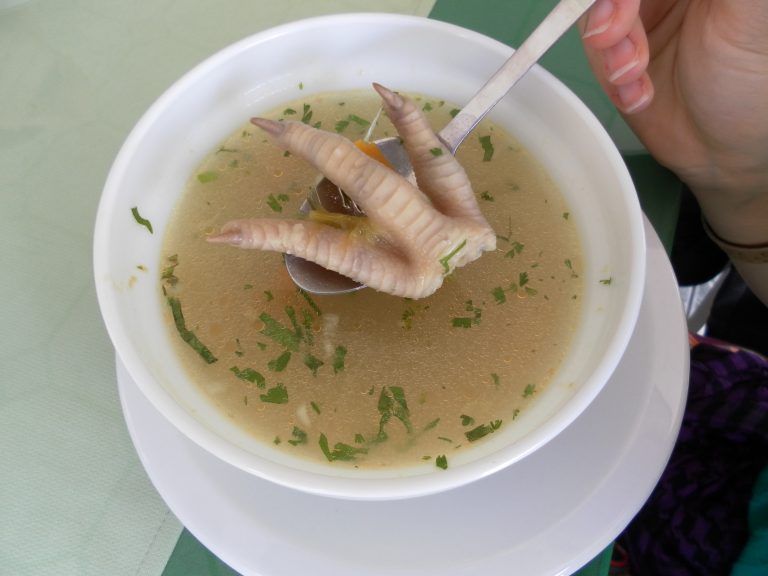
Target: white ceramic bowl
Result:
[346, 52]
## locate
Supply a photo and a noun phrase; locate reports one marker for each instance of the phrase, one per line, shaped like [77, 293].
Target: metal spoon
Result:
[327, 196]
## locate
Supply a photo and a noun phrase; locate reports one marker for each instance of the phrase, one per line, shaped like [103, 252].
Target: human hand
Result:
[691, 78]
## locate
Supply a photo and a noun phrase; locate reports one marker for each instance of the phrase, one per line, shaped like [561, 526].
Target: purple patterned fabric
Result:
[695, 522]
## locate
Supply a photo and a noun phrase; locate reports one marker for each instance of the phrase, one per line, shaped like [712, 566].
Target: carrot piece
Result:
[373, 151]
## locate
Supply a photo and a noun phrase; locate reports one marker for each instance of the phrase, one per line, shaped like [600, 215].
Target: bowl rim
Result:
[312, 482]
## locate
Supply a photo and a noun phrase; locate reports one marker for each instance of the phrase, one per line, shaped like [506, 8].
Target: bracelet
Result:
[750, 253]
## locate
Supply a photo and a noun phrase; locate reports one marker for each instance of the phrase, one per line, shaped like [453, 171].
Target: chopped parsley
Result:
[467, 420]
[340, 451]
[487, 196]
[357, 120]
[406, 319]
[607, 281]
[499, 295]
[520, 288]
[461, 322]
[312, 303]
[339, 356]
[276, 202]
[530, 390]
[516, 249]
[483, 430]
[441, 462]
[468, 322]
[306, 115]
[186, 334]
[447, 258]
[280, 363]
[143, 221]
[392, 404]
[313, 363]
[299, 436]
[436, 151]
[275, 395]
[249, 375]
[205, 177]
[431, 425]
[168, 274]
[485, 142]
[275, 330]
[341, 125]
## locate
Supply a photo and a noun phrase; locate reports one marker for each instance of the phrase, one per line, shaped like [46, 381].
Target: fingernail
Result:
[637, 104]
[392, 99]
[624, 51]
[623, 70]
[599, 18]
[271, 126]
[634, 96]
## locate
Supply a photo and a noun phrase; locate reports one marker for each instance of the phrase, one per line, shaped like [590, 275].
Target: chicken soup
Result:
[368, 379]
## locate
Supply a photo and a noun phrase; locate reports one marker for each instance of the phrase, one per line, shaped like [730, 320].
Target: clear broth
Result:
[368, 379]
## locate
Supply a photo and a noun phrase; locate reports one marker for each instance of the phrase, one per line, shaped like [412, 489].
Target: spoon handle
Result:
[556, 23]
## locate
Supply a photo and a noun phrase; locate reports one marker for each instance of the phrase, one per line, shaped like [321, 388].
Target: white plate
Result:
[548, 514]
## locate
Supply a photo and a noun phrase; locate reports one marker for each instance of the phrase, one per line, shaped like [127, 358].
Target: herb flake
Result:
[339, 357]
[280, 363]
[206, 177]
[249, 375]
[447, 258]
[139, 219]
[186, 334]
[485, 142]
[313, 363]
[276, 395]
[341, 451]
[483, 430]
[275, 330]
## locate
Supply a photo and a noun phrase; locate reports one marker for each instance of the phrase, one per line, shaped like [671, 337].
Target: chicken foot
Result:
[420, 234]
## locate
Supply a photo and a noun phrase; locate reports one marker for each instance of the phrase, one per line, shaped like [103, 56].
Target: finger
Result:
[627, 60]
[396, 208]
[607, 22]
[439, 174]
[621, 70]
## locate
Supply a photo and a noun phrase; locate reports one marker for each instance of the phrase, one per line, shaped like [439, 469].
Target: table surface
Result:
[74, 78]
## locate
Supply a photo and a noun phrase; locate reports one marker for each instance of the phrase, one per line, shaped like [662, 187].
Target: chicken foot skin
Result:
[421, 234]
